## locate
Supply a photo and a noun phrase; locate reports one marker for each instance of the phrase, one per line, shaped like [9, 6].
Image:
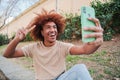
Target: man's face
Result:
[49, 32]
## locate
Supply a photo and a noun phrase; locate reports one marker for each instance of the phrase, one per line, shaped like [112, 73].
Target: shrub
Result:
[72, 30]
[28, 37]
[109, 14]
[3, 39]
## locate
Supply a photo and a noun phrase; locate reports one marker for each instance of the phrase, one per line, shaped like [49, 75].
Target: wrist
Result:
[96, 43]
[16, 39]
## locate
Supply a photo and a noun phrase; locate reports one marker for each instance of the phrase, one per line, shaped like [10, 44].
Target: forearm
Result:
[89, 48]
[10, 50]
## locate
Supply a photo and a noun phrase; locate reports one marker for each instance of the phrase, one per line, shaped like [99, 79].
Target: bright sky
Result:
[18, 8]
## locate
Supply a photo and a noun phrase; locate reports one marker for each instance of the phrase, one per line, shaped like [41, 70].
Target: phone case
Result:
[86, 12]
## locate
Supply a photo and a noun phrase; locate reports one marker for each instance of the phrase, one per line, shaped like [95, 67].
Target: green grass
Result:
[2, 48]
[103, 69]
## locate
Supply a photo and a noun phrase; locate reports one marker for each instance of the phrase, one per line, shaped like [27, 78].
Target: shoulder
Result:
[61, 43]
[32, 44]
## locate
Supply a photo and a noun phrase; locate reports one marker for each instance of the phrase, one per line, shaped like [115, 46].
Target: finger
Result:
[32, 22]
[96, 21]
[31, 28]
[22, 31]
[96, 35]
[96, 42]
[95, 29]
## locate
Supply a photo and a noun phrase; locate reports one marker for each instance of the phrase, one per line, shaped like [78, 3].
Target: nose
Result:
[52, 29]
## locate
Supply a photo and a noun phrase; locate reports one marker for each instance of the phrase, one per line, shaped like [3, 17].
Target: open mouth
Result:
[52, 35]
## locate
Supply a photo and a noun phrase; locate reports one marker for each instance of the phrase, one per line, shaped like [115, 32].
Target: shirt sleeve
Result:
[66, 48]
[27, 51]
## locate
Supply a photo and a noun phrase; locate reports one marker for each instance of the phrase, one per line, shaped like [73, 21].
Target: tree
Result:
[12, 7]
[7, 11]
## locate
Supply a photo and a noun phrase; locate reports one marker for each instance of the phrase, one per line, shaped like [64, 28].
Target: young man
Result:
[48, 53]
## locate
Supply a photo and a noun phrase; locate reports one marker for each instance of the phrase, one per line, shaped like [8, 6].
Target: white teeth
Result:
[51, 34]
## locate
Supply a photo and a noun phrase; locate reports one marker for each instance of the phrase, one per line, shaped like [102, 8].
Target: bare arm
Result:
[11, 50]
[84, 49]
[88, 48]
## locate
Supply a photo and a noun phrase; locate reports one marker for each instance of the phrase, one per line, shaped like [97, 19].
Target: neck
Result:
[48, 44]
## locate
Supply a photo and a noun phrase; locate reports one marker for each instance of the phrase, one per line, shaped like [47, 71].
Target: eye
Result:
[47, 26]
[54, 26]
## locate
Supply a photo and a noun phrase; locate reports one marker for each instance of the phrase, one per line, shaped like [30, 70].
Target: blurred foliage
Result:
[109, 15]
[28, 37]
[72, 30]
[3, 39]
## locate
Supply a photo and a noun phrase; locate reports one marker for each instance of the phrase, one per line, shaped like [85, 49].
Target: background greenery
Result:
[108, 13]
[3, 39]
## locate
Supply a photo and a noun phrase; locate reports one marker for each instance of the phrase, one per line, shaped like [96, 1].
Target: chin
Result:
[51, 41]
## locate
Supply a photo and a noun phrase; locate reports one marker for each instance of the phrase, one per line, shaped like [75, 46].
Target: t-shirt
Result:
[49, 62]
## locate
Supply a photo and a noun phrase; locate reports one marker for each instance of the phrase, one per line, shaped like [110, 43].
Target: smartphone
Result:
[86, 12]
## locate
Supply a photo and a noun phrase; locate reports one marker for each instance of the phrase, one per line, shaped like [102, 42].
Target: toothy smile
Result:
[52, 34]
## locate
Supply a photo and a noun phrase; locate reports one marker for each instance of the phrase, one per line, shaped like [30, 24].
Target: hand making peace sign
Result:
[22, 32]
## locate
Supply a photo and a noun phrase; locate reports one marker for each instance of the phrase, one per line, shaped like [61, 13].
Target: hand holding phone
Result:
[87, 12]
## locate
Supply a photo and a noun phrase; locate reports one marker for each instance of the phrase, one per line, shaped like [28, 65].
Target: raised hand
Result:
[98, 32]
[21, 33]
[11, 50]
